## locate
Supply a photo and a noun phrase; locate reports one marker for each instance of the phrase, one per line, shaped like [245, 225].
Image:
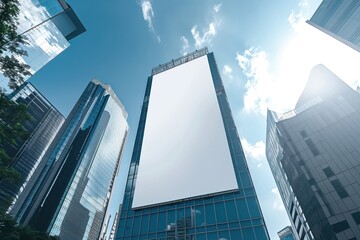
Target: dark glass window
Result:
[356, 217]
[328, 172]
[312, 147]
[303, 133]
[339, 188]
[340, 226]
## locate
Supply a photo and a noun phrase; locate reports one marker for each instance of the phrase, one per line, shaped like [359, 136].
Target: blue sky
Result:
[264, 52]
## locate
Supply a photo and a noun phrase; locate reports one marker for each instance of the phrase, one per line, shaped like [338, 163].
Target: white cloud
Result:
[278, 204]
[185, 45]
[254, 152]
[260, 84]
[206, 37]
[227, 71]
[148, 15]
[277, 84]
[217, 7]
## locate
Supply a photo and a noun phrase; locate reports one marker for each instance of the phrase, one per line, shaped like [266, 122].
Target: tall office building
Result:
[69, 195]
[339, 19]
[286, 234]
[188, 177]
[45, 121]
[313, 152]
[48, 26]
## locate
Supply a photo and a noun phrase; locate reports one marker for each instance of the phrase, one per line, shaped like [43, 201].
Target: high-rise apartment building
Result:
[286, 234]
[42, 127]
[69, 194]
[188, 177]
[48, 26]
[313, 152]
[339, 19]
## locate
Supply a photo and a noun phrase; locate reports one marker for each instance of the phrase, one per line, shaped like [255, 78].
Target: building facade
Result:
[286, 234]
[70, 193]
[42, 127]
[313, 152]
[188, 177]
[48, 25]
[339, 19]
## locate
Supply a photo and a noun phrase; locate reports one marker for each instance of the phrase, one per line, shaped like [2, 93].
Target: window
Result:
[340, 226]
[356, 217]
[328, 172]
[339, 188]
[303, 133]
[312, 147]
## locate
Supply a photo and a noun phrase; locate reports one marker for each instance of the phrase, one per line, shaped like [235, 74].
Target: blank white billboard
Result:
[185, 152]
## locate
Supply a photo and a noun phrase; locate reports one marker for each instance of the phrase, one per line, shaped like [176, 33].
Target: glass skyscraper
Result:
[339, 19]
[48, 26]
[286, 234]
[313, 152]
[188, 177]
[45, 121]
[70, 193]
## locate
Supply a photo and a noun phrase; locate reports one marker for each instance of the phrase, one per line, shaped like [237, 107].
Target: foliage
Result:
[11, 44]
[10, 230]
[12, 117]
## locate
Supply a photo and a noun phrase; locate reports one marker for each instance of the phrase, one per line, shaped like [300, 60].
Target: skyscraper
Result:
[48, 26]
[286, 234]
[188, 177]
[313, 152]
[69, 195]
[42, 127]
[339, 19]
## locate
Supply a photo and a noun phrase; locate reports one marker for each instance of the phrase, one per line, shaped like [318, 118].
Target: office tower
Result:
[339, 19]
[313, 152]
[48, 26]
[188, 177]
[286, 234]
[45, 121]
[70, 194]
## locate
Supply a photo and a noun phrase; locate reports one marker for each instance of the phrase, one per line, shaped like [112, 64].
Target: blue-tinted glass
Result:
[171, 217]
[220, 212]
[136, 226]
[201, 236]
[231, 211]
[260, 233]
[162, 222]
[210, 214]
[212, 235]
[253, 207]
[128, 226]
[242, 209]
[248, 233]
[144, 224]
[224, 235]
[153, 221]
[236, 234]
[200, 219]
